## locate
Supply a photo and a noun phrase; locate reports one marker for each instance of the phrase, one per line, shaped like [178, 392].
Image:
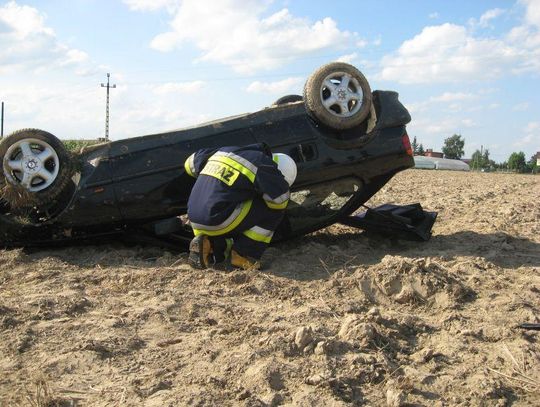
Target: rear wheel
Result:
[36, 168]
[338, 96]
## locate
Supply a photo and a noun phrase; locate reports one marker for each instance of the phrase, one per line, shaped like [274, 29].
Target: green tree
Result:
[502, 166]
[532, 166]
[485, 157]
[477, 160]
[480, 160]
[516, 162]
[418, 149]
[453, 147]
[414, 145]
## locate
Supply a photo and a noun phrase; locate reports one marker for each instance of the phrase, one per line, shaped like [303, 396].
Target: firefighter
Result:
[236, 204]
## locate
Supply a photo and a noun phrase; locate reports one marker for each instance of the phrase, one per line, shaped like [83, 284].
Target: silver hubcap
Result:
[32, 164]
[341, 94]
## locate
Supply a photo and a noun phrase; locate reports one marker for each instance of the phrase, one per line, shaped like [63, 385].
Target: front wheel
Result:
[36, 168]
[338, 96]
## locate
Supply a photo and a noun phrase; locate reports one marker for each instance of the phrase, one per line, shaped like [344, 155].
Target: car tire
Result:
[287, 99]
[338, 95]
[36, 168]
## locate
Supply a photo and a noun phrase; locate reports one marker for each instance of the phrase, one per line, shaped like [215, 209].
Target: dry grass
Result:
[525, 372]
[41, 395]
[17, 196]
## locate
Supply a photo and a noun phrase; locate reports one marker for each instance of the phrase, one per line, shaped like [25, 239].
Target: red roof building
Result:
[430, 153]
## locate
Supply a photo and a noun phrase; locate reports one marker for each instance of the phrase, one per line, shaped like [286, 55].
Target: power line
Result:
[108, 86]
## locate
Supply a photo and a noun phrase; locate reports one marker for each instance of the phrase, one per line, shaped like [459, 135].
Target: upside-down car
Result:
[347, 142]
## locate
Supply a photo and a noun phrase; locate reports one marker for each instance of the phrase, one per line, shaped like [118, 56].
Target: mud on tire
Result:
[36, 168]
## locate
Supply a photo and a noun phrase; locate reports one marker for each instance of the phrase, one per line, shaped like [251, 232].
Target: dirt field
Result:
[336, 318]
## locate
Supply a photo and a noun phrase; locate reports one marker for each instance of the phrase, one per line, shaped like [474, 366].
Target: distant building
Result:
[430, 153]
[437, 163]
[538, 158]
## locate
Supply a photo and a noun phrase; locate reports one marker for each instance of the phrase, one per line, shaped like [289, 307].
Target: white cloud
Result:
[451, 97]
[468, 123]
[440, 127]
[447, 53]
[349, 58]
[531, 137]
[448, 98]
[526, 37]
[487, 17]
[78, 111]
[239, 33]
[23, 21]
[26, 43]
[532, 14]
[362, 43]
[80, 108]
[179, 87]
[452, 53]
[434, 15]
[74, 56]
[279, 87]
[150, 5]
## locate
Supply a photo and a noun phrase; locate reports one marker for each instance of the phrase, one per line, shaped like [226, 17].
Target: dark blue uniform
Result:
[239, 193]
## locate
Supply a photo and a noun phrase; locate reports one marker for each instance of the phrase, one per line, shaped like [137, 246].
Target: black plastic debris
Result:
[533, 327]
[409, 222]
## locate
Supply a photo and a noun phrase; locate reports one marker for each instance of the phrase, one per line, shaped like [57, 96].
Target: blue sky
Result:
[467, 67]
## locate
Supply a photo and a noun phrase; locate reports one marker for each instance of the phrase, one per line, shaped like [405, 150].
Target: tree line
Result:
[453, 148]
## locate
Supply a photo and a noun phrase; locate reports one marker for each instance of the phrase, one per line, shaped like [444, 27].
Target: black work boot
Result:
[200, 252]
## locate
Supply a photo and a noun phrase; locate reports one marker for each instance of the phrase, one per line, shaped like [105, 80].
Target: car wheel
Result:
[287, 99]
[36, 167]
[338, 95]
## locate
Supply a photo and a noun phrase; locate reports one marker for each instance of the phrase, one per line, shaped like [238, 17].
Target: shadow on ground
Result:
[501, 249]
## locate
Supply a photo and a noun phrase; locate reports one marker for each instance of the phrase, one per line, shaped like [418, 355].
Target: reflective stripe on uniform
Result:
[189, 165]
[224, 172]
[227, 225]
[277, 206]
[234, 164]
[277, 203]
[240, 160]
[259, 234]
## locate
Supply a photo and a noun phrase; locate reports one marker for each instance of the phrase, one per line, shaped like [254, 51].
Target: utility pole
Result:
[2, 132]
[108, 86]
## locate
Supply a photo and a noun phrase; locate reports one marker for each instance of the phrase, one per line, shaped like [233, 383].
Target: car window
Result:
[318, 204]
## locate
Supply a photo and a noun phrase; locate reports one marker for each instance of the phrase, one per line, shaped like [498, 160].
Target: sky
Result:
[460, 67]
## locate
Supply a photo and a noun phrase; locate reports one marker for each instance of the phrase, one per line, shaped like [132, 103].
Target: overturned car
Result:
[347, 142]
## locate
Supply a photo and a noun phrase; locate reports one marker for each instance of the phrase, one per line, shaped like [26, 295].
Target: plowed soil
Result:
[336, 318]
